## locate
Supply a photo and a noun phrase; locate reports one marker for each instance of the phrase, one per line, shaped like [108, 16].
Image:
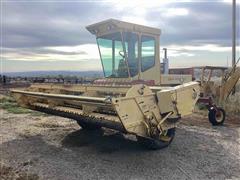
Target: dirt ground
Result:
[49, 147]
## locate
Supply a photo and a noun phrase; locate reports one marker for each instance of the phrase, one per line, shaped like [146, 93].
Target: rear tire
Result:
[215, 117]
[88, 126]
[155, 144]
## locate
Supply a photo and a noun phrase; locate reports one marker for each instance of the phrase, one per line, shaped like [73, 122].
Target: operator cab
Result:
[128, 50]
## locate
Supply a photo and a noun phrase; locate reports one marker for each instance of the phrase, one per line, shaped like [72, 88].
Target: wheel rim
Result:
[219, 116]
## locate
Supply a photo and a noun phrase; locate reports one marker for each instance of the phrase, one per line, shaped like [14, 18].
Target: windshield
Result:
[112, 55]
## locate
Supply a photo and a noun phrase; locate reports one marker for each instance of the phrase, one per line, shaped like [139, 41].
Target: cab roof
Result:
[110, 25]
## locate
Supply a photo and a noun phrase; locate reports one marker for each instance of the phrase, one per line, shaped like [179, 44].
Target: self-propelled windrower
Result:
[134, 97]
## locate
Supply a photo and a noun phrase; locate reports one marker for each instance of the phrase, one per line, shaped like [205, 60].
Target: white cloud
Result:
[128, 5]
[91, 50]
[206, 47]
[230, 1]
[84, 52]
[137, 10]
[136, 20]
[171, 12]
[176, 53]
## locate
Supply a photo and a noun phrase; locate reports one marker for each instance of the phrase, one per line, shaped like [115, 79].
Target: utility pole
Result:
[233, 33]
[233, 37]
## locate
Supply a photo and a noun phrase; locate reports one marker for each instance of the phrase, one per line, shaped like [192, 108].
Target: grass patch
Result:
[232, 105]
[6, 99]
[11, 106]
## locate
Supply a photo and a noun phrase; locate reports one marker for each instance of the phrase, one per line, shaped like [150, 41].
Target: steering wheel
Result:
[121, 53]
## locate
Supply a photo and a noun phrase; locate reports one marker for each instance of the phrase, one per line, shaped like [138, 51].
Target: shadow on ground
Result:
[101, 141]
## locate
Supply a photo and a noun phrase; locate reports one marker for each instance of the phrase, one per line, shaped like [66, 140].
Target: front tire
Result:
[155, 144]
[216, 116]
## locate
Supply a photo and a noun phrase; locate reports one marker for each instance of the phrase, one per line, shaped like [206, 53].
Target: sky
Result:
[51, 35]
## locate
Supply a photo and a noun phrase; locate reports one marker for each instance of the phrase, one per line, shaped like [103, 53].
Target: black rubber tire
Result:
[213, 119]
[155, 144]
[88, 126]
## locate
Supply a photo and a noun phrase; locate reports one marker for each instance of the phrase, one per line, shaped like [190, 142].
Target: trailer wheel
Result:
[88, 126]
[160, 143]
[216, 117]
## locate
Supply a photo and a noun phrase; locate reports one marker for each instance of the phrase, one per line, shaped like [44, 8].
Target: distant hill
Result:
[55, 73]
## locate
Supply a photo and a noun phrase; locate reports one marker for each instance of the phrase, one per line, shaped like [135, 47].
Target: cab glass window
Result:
[147, 52]
[131, 47]
[112, 55]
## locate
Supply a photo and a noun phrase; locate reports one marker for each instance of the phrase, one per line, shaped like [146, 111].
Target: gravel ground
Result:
[50, 147]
